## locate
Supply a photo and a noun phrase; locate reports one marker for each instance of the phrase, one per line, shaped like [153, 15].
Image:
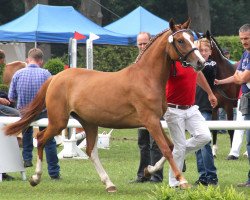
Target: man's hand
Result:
[213, 100]
[216, 81]
[4, 101]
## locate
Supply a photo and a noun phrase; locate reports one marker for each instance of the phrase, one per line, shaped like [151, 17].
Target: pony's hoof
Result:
[214, 150]
[146, 173]
[185, 186]
[111, 189]
[32, 182]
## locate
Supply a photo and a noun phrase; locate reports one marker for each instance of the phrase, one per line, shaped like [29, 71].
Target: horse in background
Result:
[10, 69]
[226, 94]
[136, 98]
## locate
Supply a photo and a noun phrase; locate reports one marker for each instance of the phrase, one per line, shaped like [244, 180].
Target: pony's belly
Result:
[115, 122]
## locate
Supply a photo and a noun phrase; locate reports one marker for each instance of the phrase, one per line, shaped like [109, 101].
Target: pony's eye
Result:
[180, 41]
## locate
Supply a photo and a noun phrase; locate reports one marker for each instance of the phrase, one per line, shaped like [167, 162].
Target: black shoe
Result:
[214, 183]
[140, 180]
[56, 178]
[7, 177]
[184, 168]
[231, 157]
[155, 181]
[246, 184]
[201, 182]
[27, 163]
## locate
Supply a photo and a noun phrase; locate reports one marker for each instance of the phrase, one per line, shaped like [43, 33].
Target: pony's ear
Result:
[172, 25]
[186, 24]
[208, 35]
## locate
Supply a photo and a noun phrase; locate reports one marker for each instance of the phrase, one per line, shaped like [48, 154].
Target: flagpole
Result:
[89, 50]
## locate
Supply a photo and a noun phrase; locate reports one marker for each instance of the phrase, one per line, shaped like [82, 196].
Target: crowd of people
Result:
[188, 109]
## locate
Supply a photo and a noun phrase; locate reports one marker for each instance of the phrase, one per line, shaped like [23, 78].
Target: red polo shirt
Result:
[181, 85]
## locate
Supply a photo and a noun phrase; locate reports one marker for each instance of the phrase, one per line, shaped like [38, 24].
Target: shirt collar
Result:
[33, 65]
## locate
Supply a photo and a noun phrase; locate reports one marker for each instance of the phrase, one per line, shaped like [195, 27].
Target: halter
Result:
[182, 58]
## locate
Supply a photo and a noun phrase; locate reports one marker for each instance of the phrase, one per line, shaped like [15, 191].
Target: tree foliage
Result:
[226, 15]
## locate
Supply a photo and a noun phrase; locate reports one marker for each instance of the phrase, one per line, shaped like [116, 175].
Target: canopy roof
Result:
[139, 20]
[56, 24]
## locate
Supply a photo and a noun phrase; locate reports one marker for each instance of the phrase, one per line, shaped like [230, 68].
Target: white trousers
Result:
[238, 135]
[178, 121]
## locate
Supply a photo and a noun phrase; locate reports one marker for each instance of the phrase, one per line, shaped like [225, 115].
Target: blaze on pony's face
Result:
[184, 49]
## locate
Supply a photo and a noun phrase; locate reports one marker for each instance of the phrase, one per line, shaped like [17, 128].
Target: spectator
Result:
[23, 88]
[149, 151]
[204, 156]
[238, 136]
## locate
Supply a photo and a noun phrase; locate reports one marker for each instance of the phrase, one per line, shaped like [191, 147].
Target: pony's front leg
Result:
[36, 178]
[110, 187]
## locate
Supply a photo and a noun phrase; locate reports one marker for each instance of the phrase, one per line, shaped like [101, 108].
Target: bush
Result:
[233, 44]
[4, 88]
[54, 65]
[2, 66]
[114, 58]
[200, 193]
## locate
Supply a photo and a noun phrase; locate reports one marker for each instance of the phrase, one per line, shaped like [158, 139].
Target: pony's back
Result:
[10, 70]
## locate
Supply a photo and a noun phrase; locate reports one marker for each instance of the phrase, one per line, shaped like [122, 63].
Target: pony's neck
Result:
[224, 67]
[155, 61]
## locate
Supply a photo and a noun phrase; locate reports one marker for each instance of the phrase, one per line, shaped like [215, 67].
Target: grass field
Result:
[80, 180]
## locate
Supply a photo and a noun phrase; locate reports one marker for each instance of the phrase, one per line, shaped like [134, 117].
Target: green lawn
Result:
[80, 180]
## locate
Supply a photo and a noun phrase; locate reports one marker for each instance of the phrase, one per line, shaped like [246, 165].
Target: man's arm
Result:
[202, 82]
[242, 77]
[229, 79]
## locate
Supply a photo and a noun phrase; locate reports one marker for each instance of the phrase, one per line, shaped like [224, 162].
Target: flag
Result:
[79, 36]
[93, 36]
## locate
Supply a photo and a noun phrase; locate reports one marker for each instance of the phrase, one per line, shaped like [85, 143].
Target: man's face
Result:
[245, 40]
[142, 40]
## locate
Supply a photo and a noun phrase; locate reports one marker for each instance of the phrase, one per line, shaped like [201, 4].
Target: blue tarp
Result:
[137, 21]
[56, 24]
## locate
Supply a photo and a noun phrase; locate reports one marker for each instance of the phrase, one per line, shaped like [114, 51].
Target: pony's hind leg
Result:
[92, 152]
[36, 178]
[42, 138]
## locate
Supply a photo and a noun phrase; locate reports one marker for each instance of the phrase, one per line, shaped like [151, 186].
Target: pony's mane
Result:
[218, 46]
[152, 39]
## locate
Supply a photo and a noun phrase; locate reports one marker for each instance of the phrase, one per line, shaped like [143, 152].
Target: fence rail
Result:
[73, 123]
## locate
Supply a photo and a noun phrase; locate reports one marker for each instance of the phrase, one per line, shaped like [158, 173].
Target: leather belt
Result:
[182, 107]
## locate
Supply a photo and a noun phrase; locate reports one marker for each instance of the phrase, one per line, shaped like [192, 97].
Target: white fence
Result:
[213, 125]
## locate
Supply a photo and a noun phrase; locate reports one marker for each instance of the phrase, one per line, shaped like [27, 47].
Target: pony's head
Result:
[183, 47]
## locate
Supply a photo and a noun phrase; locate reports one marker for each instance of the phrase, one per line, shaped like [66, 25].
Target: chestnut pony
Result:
[130, 98]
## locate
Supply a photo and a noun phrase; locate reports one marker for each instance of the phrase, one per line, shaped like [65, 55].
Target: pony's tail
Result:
[30, 112]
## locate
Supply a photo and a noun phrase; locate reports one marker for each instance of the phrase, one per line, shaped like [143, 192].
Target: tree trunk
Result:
[92, 10]
[199, 12]
[29, 4]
